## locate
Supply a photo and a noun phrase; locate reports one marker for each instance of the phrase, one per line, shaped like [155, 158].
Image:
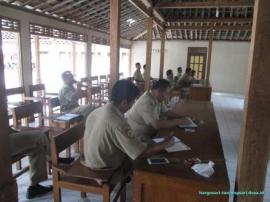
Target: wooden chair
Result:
[94, 81]
[77, 176]
[104, 88]
[22, 120]
[86, 81]
[54, 112]
[38, 92]
[95, 96]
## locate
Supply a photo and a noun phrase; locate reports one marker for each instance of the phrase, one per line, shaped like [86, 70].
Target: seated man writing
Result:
[69, 96]
[145, 117]
[34, 144]
[108, 139]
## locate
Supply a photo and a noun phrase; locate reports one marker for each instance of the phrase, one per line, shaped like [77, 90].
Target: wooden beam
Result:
[209, 55]
[214, 20]
[8, 187]
[147, 12]
[148, 52]
[162, 53]
[255, 130]
[208, 27]
[114, 40]
[206, 4]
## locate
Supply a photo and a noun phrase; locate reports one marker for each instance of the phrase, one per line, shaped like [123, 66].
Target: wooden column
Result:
[209, 55]
[8, 186]
[114, 40]
[162, 52]
[74, 58]
[148, 52]
[37, 52]
[255, 130]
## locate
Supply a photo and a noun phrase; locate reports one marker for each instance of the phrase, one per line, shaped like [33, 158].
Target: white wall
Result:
[229, 63]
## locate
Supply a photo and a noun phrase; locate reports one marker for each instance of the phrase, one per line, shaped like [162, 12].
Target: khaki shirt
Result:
[65, 98]
[185, 81]
[138, 76]
[108, 139]
[146, 110]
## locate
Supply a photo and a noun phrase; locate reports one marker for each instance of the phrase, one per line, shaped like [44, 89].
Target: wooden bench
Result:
[77, 176]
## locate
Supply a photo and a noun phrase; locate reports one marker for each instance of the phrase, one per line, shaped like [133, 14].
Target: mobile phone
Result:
[157, 161]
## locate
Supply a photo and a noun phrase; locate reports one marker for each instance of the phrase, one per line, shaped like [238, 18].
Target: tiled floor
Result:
[228, 110]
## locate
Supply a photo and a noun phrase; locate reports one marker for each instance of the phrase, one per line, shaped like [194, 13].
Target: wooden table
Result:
[176, 182]
[200, 91]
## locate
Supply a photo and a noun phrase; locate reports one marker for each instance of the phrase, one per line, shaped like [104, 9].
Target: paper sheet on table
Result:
[191, 125]
[178, 145]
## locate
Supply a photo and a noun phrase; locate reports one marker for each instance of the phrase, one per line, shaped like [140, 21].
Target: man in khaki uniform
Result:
[145, 117]
[186, 79]
[137, 74]
[35, 144]
[69, 96]
[108, 139]
[170, 77]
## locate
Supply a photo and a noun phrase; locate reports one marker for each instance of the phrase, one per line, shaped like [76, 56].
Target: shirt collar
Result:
[116, 110]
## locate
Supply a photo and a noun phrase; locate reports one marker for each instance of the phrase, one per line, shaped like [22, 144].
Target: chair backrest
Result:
[86, 81]
[65, 139]
[54, 106]
[94, 80]
[15, 91]
[27, 111]
[37, 90]
[84, 97]
[103, 79]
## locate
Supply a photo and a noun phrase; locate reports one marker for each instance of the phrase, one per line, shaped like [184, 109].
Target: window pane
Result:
[192, 59]
[201, 68]
[191, 66]
[196, 66]
[201, 59]
[12, 64]
[197, 59]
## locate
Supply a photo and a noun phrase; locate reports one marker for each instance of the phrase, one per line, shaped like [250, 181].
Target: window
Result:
[197, 61]
[55, 51]
[101, 60]
[11, 51]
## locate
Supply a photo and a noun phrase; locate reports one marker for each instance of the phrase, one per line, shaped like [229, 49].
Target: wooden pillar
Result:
[74, 57]
[26, 54]
[162, 53]
[209, 54]
[88, 54]
[148, 52]
[8, 186]
[114, 40]
[37, 53]
[255, 130]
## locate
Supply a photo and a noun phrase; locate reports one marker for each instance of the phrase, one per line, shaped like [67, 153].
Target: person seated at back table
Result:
[170, 77]
[137, 76]
[69, 96]
[186, 80]
[145, 117]
[35, 144]
[179, 73]
[109, 140]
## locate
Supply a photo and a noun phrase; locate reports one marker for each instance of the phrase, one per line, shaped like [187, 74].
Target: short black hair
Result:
[168, 72]
[188, 69]
[124, 90]
[179, 68]
[66, 74]
[161, 84]
[137, 63]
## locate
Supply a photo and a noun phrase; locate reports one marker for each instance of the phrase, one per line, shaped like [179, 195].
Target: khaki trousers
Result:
[35, 145]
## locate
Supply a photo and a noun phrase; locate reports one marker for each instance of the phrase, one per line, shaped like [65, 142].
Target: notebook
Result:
[191, 125]
[68, 117]
[178, 145]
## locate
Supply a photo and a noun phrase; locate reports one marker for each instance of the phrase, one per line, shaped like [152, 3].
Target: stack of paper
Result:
[191, 125]
[68, 117]
[178, 145]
